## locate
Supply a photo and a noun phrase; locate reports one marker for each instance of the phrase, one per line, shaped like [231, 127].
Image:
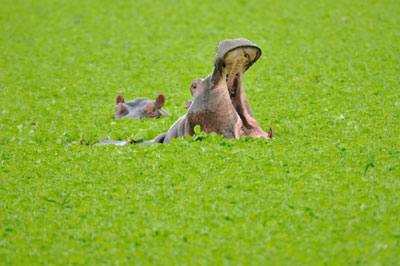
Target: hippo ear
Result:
[120, 99]
[194, 85]
[150, 109]
[160, 100]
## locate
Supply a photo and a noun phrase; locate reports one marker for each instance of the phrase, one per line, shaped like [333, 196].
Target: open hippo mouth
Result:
[220, 104]
[235, 64]
[237, 56]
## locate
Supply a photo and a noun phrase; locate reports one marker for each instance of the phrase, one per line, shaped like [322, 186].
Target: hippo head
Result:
[139, 108]
[219, 101]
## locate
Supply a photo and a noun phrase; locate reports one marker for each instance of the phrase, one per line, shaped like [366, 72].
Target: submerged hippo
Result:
[139, 108]
[219, 102]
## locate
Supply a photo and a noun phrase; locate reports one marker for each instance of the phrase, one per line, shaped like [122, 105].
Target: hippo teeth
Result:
[232, 83]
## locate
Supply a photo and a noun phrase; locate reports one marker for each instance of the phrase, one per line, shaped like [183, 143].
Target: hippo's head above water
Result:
[219, 101]
[139, 108]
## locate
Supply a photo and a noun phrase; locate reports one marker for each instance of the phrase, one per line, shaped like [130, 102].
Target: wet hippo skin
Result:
[139, 108]
[219, 101]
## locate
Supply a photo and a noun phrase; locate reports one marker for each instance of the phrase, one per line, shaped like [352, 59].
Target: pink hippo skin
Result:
[219, 101]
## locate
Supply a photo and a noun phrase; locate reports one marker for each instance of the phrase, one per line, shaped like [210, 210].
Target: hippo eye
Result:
[194, 86]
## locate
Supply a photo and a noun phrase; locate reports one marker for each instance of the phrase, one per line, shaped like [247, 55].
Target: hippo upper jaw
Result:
[235, 55]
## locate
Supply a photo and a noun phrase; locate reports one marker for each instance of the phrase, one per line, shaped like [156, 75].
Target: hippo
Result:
[139, 108]
[219, 101]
